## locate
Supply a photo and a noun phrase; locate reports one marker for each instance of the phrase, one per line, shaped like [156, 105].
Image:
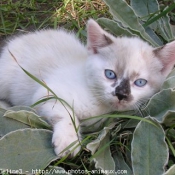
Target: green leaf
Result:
[165, 12]
[169, 118]
[102, 157]
[145, 7]
[173, 29]
[164, 29]
[24, 108]
[26, 149]
[103, 160]
[170, 171]
[130, 124]
[29, 118]
[119, 10]
[7, 125]
[120, 163]
[149, 151]
[161, 104]
[152, 34]
[114, 27]
[169, 83]
[94, 145]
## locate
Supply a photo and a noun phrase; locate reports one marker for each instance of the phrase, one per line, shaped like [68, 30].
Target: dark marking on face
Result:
[114, 84]
[123, 90]
[133, 76]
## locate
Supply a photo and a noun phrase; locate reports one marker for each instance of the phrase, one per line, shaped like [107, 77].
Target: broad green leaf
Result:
[7, 125]
[2, 111]
[103, 160]
[94, 145]
[173, 29]
[169, 83]
[171, 171]
[164, 28]
[29, 118]
[120, 163]
[145, 7]
[130, 124]
[119, 9]
[169, 118]
[149, 151]
[152, 34]
[26, 149]
[114, 27]
[102, 157]
[20, 108]
[162, 14]
[161, 104]
[167, 26]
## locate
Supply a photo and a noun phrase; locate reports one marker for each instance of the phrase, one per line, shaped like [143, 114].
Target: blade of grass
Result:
[40, 82]
[167, 10]
[170, 145]
[121, 116]
[101, 149]
[43, 100]
[3, 22]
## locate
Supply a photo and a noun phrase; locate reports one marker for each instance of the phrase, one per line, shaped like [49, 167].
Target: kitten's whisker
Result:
[136, 107]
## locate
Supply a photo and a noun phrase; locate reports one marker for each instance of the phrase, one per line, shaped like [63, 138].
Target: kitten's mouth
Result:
[122, 105]
[119, 105]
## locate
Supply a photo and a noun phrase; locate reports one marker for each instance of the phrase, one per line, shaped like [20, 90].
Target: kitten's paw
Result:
[62, 141]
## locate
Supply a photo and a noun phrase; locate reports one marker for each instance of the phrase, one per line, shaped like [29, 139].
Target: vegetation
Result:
[128, 141]
[24, 15]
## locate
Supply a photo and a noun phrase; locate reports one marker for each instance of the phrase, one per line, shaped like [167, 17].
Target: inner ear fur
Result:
[97, 37]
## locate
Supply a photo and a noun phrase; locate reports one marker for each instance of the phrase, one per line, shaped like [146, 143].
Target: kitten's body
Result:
[62, 70]
[76, 74]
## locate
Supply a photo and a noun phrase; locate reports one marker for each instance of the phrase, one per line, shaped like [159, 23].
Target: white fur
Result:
[76, 74]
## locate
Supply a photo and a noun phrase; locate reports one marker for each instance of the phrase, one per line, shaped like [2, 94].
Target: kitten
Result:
[110, 74]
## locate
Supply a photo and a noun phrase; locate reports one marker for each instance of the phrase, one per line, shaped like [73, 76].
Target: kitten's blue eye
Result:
[110, 74]
[140, 82]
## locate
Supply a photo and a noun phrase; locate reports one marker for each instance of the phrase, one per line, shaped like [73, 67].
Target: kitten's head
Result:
[123, 72]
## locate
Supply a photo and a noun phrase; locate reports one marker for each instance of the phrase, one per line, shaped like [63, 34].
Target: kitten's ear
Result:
[96, 36]
[166, 55]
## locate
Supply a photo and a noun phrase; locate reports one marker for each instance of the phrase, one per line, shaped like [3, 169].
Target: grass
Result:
[22, 15]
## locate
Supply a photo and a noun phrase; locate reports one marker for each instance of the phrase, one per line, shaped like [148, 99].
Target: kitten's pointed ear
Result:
[166, 55]
[96, 36]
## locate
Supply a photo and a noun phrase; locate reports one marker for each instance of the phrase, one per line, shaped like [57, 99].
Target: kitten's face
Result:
[123, 72]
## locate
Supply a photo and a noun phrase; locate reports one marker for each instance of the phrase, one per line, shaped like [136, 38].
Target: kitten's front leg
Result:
[65, 134]
[65, 128]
